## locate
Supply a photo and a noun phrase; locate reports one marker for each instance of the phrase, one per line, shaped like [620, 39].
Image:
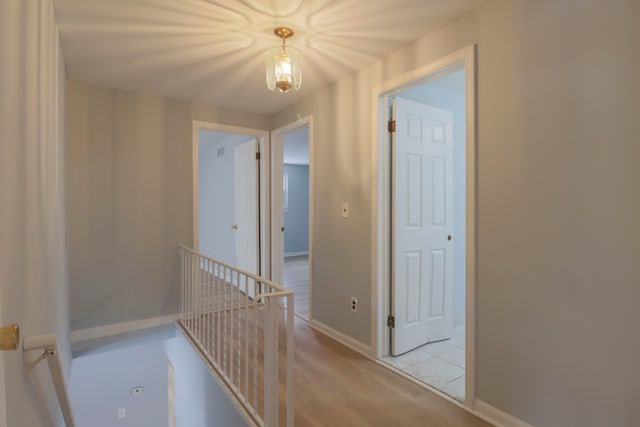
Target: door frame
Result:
[264, 146]
[381, 243]
[277, 167]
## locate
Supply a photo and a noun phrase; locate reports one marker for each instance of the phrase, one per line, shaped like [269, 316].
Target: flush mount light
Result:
[283, 64]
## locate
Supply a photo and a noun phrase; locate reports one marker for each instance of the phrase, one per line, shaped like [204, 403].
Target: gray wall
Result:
[559, 236]
[450, 96]
[200, 400]
[129, 184]
[33, 263]
[296, 219]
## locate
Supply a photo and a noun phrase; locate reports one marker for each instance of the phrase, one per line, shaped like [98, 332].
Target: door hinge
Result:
[258, 155]
[391, 125]
[391, 321]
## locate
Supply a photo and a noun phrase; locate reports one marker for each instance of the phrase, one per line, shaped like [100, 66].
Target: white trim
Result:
[265, 149]
[380, 247]
[295, 253]
[496, 416]
[277, 166]
[121, 328]
[471, 221]
[343, 339]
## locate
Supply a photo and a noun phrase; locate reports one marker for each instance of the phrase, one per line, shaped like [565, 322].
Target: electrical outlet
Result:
[354, 304]
[121, 413]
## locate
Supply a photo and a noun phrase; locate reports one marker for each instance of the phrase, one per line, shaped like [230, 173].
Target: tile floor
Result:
[439, 364]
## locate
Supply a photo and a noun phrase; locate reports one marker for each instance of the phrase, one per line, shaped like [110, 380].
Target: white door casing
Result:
[246, 206]
[422, 225]
[277, 214]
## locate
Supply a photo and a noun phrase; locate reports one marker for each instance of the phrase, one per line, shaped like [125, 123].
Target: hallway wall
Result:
[558, 229]
[33, 262]
[129, 183]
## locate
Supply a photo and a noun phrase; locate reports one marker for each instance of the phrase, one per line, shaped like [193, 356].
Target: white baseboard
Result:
[496, 416]
[343, 339]
[295, 253]
[120, 328]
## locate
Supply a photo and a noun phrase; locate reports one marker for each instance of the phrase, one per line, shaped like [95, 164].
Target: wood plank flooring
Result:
[296, 277]
[334, 385]
[338, 387]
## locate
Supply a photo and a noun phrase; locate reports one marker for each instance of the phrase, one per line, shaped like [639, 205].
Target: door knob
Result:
[449, 237]
[281, 228]
[234, 226]
[9, 337]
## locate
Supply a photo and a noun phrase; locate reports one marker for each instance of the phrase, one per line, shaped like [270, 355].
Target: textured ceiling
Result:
[213, 51]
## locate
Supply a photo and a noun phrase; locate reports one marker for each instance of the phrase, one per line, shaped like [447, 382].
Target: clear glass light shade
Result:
[284, 69]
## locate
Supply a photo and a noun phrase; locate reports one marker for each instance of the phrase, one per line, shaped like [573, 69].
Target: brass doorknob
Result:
[9, 337]
[234, 226]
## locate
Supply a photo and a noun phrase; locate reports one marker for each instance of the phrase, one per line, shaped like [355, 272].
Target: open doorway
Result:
[426, 223]
[291, 215]
[229, 195]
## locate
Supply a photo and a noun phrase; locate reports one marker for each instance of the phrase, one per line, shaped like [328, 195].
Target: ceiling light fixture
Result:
[284, 69]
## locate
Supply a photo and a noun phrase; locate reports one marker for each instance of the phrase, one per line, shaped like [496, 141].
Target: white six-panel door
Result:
[246, 206]
[422, 225]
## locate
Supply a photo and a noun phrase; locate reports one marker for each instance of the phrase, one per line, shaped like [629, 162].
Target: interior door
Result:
[422, 260]
[246, 205]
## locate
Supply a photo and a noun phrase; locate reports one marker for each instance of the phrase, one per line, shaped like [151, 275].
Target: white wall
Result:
[200, 400]
[558, 229]
[448, 92]
[101, 383]
[130, 186]
[33, 270]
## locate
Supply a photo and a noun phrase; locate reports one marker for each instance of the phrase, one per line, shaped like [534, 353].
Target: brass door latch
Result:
[9, 337]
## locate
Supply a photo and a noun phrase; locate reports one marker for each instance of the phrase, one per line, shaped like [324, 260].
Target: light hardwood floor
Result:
[335, 386]
[296, 277]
